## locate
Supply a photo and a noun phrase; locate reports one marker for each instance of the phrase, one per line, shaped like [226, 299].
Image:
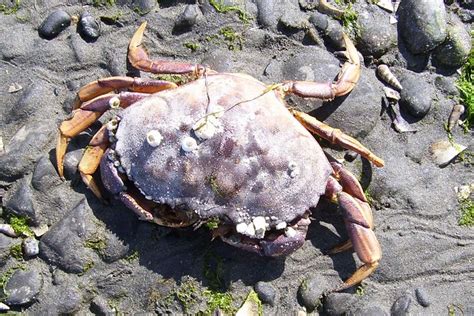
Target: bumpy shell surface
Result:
[244, 170]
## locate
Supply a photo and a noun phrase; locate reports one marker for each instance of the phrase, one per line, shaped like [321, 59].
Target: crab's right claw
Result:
[350, 72]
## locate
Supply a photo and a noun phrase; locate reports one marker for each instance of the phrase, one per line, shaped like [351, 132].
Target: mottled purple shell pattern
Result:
[260, 161]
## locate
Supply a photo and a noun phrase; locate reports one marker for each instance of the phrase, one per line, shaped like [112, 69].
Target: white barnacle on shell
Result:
[114, 103]
[290, 232]
[112, 125]
[154, 138]
[188, 144]
[250, 230]
[260, 226]
[280, 225]
[205, 128]
[241, 228]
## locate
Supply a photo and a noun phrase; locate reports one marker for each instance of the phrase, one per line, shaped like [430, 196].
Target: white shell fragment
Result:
[391, 94]
[251, 306]
[393, 20]
[386, 75]
[40, 230]
[8, 230]
[290, 232]
[188, 144]
[260, 226]
[4, 307]
[281, 225]
[15, 87]
[386, 4]
[444, 151]
[154, 138]
[114, 103]
[241, 228]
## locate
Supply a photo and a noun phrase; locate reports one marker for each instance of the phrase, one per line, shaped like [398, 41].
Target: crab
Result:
[224, 148]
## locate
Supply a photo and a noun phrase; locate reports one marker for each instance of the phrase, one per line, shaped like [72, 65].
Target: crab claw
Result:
[139, 59]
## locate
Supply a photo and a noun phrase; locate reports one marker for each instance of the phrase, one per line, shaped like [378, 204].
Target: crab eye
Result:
[189, 144]
[154, 138]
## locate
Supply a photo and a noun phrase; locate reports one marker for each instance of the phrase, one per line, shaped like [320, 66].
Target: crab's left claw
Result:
[346, 80]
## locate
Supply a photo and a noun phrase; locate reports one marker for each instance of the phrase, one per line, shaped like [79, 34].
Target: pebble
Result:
[89, 26]
[45, 176]
[30, 247]
[71, 162]
[417, 94]
[8, 230]
[143, 7]
[422, 24]
[368, 311]
[19, 200]
[455, 50]
[319, 20]
[422, 297]
[266, 292]
[23, 287]
[55, 23]
[339, 303]
[401, 306]
[311, 290]
[100, 306]
[188, 17]
[376, 35]
[447, 85]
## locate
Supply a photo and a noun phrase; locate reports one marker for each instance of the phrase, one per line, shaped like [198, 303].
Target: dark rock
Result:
[267, 15]
[266, 292]
[417, 94]
[311, 290]
[447, 85]
[319, 20]
[188, 17]
[19, 200]
[294, 19]
[63, 244]
[55, 23]
[5, 244]
[23, 287]
[376, 35]
[368, 311]
[339, 303]
[69, 300]
[422, 24]
[401, 306]
[71, 162]
[45, 175]
[422, 297]
[455, 50]
[143, 7]
[24, 149]
[100, 306]
[334, 33]
[89, 26]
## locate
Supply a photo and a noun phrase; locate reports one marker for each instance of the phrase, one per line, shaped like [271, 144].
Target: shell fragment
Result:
[444, 151]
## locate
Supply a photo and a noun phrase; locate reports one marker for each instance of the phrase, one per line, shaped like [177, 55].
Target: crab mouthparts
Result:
[274, 242]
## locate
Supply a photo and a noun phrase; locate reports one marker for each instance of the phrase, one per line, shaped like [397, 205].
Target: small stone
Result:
[311, 290]
[266, 292]
[422, 24]
[417, 95]
[422, 297]
[143, 7]
[368, 311]
[188, 17]
[45, 176]
[401, 306]
[54, 24]
[71, 162]
[339, 303]
[30, 247]
[456, 48]
[23, 287]
[7, 230]
[319, 20]
[19, 200]
[89, 26]
[241, 228]
[100, 306]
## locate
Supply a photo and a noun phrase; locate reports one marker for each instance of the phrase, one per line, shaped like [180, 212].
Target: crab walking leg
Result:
[346, 80]
[362, 236]
[139, 59]
[91, 159]
[336, 136]
[84, 117]
[106, 85]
